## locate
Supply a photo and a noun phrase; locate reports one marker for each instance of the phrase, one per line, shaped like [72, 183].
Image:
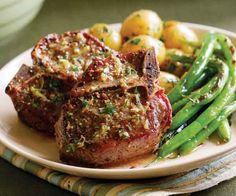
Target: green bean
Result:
[171, 133]
[206, 93]
[176, 62]
[180, 58]
[203, 78]
[224, 130]
[190, 145]
[199, 82]
[214, 109]
[203, 120]
[219, 54]
[202, 96]
[188, 82]
[179, 105]
[228, 50]
[229, 53]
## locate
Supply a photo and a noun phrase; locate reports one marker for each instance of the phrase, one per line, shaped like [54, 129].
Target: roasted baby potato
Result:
[106, 34]
[145, 42]
[167, 81]
[177, 35]
[142, 22]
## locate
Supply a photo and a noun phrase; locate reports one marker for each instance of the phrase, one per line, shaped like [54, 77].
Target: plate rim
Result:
[105, 173]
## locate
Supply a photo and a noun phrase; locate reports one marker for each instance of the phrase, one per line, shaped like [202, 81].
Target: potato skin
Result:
[167, 81]
[177, 35]
[145, 42]
[142, 22]
[106, 34]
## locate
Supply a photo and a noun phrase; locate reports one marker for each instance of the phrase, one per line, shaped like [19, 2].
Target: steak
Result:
[67, 55]
[104, 107]
[37, 97]
[115, 124]
[80, 57]
[140, 70]
[111, 126]
[71, 59]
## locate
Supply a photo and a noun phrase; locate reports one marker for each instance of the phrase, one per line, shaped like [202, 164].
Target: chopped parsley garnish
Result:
[102, 40]
[58, 99]
[130, 71]
[135, 41]
[69, 113]
[54, 84]
[124, 134]
[65, 56]
[180, 58]
[108, 109]
[74, 68]
[127, 103]
[36, 104]
[71, 147]
[105, 29]
[76, 143]
[84, 103]
[105, 54]
[79, 61]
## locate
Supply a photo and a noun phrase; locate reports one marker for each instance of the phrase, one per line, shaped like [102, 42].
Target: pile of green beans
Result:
[188, 146]
[197, 99]
[215, 98]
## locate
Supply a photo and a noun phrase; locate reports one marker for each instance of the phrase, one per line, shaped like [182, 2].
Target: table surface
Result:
[75, 14]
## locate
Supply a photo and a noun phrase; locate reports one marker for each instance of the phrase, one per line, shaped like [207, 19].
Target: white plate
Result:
[42, 150]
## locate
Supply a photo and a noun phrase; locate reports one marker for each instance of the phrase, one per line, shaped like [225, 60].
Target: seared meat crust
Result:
[73, 58]
[117, 123]
[87, 136]
[67, 55]
[81, 58]
[37, 97]
[107, 107]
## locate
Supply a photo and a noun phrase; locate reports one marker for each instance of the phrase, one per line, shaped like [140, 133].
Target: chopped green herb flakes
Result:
[69, 113]
[71, 147]
[54, 84]
[74, 68]
[58, 99]
[108, 109]
[135, 41]
[123, 134]
[84, 103]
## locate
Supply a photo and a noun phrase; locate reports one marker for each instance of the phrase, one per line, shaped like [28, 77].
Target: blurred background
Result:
[60, 15]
